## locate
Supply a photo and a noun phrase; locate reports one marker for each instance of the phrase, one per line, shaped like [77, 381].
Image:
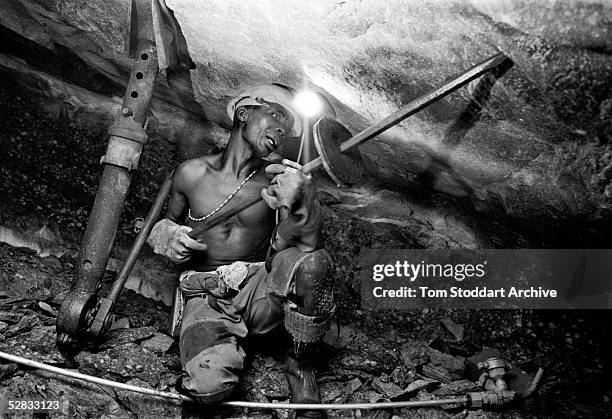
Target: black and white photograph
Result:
[306, 209]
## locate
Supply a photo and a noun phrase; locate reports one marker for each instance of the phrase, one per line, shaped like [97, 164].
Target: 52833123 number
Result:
[14, 406]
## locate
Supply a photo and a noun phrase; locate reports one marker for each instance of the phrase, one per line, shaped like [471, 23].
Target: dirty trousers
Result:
[212, 329]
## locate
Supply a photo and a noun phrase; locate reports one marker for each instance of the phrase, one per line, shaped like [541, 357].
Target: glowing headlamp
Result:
[307, 103]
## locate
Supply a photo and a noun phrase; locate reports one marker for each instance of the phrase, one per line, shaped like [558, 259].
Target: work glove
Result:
[293, 193]
[287, 187]
[171, 240]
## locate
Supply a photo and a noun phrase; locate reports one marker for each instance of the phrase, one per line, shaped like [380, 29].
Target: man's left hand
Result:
[286, 187]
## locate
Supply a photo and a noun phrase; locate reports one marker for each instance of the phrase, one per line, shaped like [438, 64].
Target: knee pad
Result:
[306, 329]
[314, 276]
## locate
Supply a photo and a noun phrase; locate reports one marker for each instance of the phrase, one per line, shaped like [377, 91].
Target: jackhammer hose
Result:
[96, 380]
[241, 404]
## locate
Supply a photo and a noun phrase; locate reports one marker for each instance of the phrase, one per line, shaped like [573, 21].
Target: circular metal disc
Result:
[344, 168]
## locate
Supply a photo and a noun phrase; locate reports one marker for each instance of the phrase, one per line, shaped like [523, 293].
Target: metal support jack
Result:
[127, 137]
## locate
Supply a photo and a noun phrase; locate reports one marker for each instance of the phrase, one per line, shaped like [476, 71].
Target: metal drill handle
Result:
[414, 107]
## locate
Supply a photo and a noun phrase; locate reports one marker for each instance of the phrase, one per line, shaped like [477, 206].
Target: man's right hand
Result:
[181, 246]
[172, 240]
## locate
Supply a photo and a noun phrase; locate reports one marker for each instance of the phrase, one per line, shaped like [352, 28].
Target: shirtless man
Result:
[228, 291]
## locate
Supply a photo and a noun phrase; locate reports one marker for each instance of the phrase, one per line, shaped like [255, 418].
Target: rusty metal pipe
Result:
[101, 228]
[127, 137]
[122, 155]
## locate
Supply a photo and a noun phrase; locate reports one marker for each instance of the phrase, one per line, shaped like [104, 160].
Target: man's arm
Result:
[178, 204]
[294, 195]
[168, 237]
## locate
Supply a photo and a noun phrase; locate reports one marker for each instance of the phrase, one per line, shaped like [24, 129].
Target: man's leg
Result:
[300, 285]
[210, 352]
[307, 318]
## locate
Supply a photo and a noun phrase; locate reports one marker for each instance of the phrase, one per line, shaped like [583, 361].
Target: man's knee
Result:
[213, 374]
[212, 360]
[314, 284]
[308, 318]
[206, 391]
[315, 264]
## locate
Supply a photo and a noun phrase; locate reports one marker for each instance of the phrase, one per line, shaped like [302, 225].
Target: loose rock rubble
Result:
[356, 365]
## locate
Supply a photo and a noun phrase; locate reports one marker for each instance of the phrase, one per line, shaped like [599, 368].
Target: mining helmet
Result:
[258, 95]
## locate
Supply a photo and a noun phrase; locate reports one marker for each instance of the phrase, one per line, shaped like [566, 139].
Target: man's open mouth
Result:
[271, 141]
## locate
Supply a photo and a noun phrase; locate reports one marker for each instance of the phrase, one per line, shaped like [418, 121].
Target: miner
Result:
[256, 270]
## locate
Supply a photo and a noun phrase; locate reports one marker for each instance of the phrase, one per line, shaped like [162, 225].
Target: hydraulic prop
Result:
[127, 138]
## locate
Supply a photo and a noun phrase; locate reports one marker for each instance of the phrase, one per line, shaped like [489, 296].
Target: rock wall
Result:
[510, 157]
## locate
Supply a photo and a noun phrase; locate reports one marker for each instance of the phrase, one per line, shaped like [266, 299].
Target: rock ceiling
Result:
[531, 150]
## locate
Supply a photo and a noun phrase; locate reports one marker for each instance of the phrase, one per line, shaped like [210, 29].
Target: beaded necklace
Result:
[213, 212]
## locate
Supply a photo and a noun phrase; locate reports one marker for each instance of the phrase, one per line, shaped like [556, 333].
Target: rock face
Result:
[496, 164]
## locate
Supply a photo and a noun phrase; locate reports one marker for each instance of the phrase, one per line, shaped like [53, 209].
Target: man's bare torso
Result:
[200, 187]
